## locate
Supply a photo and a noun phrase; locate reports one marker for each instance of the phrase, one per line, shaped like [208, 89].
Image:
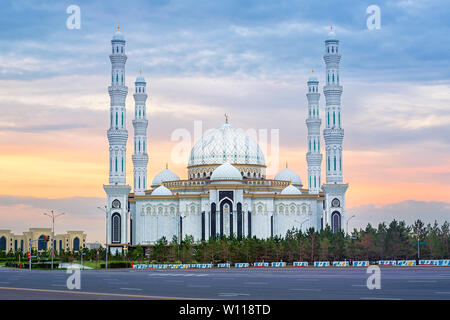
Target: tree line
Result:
[395, 241]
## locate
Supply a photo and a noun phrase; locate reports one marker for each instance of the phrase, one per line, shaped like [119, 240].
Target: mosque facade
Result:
[226, 191]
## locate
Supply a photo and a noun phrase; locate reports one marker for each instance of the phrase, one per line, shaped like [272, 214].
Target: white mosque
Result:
[227, 191]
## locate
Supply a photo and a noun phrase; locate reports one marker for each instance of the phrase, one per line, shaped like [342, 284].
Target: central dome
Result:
[226, 144]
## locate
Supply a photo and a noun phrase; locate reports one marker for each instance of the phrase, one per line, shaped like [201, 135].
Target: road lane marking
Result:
[443, 292]
[233, 294]
[255, 282]
[101, 294]
[379, 298]
[302, 289]
[199, 286]
[136, 289]
[419, 281]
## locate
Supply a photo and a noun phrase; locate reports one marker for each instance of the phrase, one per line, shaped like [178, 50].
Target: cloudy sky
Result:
[201, 59]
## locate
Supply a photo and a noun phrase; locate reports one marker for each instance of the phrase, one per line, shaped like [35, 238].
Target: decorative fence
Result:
[260, 264]
[340, 264]
[321, 263]
[406, 263]
[278, 264]
[300, 264]
[387, 263]
[360, 263]
[443, 263]
[223, 265]
[241, 265]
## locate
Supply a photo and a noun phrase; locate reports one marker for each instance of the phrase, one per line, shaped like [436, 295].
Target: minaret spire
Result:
[313, 122]
[333, 133]
[117, 191]
[140, 124]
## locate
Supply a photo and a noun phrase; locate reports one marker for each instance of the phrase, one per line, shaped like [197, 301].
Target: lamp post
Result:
[53, 216]
[349, 220]
[106, 235]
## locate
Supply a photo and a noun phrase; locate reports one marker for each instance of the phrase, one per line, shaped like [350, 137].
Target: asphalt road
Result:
[255, 284]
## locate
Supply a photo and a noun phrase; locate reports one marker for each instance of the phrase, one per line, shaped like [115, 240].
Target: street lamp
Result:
[106, 235]
[349, 220]
[53, 216]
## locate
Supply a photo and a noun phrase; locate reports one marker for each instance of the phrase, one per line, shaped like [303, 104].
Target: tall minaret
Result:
[140, 123]
[313, 122]
[333, 135]
[117, 191]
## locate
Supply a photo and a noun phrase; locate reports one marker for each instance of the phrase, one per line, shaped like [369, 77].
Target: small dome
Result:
[162, 191]
[226, 171]
[289, 175]
[140, 78]
[290, 190]
[331, 34]
[118, 36]
[165, 175]
[312, 78]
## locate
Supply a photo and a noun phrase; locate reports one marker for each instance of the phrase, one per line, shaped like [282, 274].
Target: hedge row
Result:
[117, 264]
[40, 265]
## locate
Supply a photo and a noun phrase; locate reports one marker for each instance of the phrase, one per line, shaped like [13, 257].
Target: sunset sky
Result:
[202, 59]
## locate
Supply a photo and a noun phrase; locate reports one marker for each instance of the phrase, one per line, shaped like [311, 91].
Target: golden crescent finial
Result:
[118, 27]
[312, 71]
[331, 28]
[167, 165]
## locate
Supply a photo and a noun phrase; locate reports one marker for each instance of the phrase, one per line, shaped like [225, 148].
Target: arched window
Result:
[328, 163]
[122, 164]
[116, 228]
[76, 244]
[335, 221]
[333, 77]
[335, 163]
[122, 118]
[117, 118]
[60, 245]
[144, 151]
[139, 145]
[42, 245]
[3, 243]
[116, 164]
[334, 117]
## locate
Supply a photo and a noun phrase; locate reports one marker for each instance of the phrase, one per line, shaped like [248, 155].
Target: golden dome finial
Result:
[167, 165]
[312, 71]
[286, 164]
[226, 118]
[331, 28]
[118, 28]
[140, 72]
